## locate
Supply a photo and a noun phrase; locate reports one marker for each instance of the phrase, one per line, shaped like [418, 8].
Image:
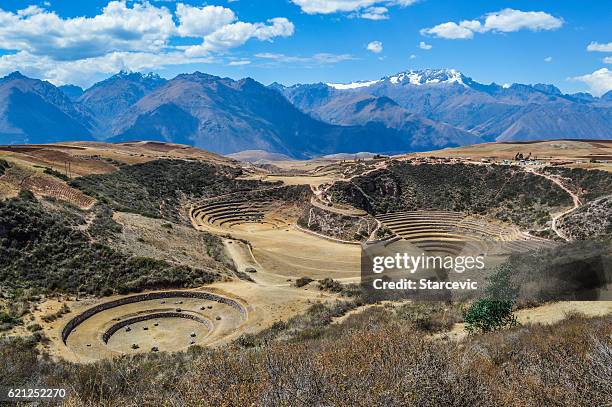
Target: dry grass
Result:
[373, 358]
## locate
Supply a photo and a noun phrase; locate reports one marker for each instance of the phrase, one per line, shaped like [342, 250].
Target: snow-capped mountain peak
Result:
[417, 78]
[428, 76]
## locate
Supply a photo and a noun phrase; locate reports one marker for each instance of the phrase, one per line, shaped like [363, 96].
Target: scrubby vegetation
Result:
[302, 281]
[103, 225]
[3, 167]
[57, 174]
[373, 358]
[156, 188]
[487, 315]
[588, 184]
[506, 193]
[46, 250]
[338, 226]
[591, 221]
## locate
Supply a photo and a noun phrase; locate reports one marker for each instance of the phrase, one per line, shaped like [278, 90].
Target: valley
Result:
[147, 249]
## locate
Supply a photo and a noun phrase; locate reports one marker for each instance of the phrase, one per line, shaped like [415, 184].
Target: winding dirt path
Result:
[555, 218]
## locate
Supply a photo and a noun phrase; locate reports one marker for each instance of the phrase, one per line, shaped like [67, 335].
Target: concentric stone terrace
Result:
[454, 232]
[157, 321]
[232, 213]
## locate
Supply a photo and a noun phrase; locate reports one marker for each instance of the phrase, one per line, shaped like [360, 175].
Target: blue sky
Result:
[304, 41]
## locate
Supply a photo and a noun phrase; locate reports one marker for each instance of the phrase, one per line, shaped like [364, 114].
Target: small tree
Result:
[487, 315]
[495, 311]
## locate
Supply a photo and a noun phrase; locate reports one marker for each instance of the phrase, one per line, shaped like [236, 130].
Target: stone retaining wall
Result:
[74, 322]
[106, 336]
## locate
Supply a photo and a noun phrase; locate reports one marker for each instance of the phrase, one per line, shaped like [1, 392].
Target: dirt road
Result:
[555, 218]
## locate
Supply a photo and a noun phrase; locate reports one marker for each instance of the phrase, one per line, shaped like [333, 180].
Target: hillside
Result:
[351, 108]
[506, 193]
[227, 116]
[591, 221]
[34, 111]
[51, 249]
[349, 363]
[156, 188]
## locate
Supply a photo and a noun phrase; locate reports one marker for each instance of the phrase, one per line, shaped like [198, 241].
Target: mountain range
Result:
[410, 111]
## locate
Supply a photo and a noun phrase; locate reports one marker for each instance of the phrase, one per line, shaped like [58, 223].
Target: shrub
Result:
[329, 284]
[302, 281]
[57, 174]
[34, 327]
[487, 315]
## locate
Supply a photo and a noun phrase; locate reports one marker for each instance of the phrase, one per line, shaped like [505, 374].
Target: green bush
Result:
[487, 315]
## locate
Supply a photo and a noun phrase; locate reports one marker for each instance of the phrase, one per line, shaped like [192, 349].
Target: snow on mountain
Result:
[353, 85]
[428, 76]
[417, 78]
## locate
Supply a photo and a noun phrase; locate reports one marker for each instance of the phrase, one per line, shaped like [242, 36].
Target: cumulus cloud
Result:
[425, 46]
[369, 9]
[597, 47]
[548, 59]
[375, 47]
[125, 35]
[141, 27]
[200, 22]
[506, 20]
[607, 60]
[599, 81]
[238, 33]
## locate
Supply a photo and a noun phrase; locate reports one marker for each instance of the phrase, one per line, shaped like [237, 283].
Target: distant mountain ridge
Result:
[493, 112]
[409, 111]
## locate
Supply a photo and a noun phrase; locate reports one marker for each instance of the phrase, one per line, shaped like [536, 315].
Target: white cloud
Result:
[239, 63]
[548, 59]
[607, 60]
[316, 59]
[453, 31]
[124, 35]
[599, 81]
[510, 20]
[375, 13]
[412, 56]
[142, 27]
[375, 47]
[84, 72]
[199, 22]
[597, 47]
[370, 9]
[506, 20]
[425, 46]
[237, 34]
